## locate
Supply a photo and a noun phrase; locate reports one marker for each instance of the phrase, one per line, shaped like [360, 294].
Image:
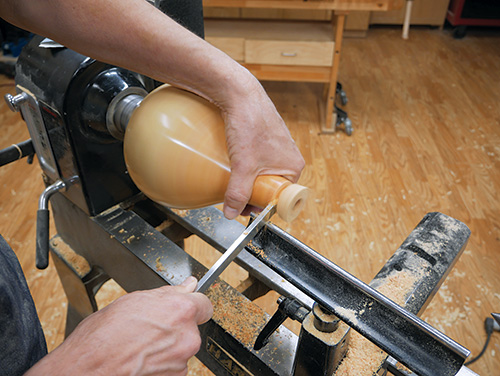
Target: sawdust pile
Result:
[363, 357]
[67, 253]
[108, 293]
[197, 368]
[235, 314]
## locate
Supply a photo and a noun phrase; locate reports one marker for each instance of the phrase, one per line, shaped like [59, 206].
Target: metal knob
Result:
[15, 102]
[324, 321]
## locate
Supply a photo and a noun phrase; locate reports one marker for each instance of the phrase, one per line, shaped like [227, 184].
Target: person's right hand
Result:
[152, 332]
[258, 141]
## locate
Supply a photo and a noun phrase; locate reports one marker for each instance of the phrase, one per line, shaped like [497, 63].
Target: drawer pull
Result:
[289, 54]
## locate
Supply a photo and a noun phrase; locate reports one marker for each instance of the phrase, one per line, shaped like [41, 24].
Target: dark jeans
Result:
[22, 342]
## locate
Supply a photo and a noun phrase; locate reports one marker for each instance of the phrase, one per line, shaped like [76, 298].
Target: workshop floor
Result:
[426, 119]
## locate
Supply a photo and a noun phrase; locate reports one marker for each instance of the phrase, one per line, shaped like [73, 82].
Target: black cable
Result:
[488, 325]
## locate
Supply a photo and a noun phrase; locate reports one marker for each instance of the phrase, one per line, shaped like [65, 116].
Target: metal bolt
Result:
[15, 102]
[324, 321]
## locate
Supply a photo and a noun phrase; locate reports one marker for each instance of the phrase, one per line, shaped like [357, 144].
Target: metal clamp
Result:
[287, 308]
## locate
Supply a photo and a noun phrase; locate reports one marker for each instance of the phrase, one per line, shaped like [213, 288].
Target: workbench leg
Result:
[330, 117]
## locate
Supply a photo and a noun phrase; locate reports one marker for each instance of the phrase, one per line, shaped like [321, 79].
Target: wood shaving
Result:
[363, 357]
[65, 252]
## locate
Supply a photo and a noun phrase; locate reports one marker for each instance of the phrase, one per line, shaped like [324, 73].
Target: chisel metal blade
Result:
[235, 248]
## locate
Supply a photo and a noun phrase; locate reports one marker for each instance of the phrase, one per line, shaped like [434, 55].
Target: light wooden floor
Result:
[426, 114]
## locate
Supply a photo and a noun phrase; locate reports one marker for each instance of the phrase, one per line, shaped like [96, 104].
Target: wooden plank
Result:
[292, 73]
[270, 30]
[285, 14]
[423, 12]
[220, 12]
[330, 120]
[373, 5]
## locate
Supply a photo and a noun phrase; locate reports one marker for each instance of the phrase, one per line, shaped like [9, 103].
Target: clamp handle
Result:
[42, 238]
[287, 308]
[42, 224]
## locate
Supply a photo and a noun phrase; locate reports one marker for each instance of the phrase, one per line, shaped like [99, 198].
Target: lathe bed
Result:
[137, 256]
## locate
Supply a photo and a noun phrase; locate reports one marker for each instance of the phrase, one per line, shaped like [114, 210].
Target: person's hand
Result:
[258, 143]
[151, 332]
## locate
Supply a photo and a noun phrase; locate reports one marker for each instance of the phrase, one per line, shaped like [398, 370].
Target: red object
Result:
[474, 13]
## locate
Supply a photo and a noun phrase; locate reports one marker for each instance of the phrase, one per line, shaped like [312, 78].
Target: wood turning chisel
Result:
[235, 248]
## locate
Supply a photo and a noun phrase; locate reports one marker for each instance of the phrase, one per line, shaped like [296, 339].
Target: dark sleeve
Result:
[188, 13]
[22, 342]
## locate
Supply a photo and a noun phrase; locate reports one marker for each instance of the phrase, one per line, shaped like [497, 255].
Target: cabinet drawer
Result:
[272, 42]
[282, 52]
[234, 47]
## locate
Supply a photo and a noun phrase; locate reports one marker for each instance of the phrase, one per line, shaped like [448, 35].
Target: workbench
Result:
[287, 50]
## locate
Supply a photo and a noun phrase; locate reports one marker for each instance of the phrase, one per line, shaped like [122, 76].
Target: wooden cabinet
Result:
[423, 12]
[287, 40]
[278, 42]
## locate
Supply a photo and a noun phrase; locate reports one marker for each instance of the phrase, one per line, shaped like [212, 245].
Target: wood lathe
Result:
[76, 109]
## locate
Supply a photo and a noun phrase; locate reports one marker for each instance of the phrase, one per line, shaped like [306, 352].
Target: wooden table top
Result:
[343, 5]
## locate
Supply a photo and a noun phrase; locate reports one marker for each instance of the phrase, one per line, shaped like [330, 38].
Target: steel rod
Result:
[414, 343]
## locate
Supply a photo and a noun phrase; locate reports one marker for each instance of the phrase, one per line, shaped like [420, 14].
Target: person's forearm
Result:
[135, 35]
[108, 30]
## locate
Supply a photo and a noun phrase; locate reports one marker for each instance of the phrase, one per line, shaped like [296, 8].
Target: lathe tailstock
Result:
[108, 229]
